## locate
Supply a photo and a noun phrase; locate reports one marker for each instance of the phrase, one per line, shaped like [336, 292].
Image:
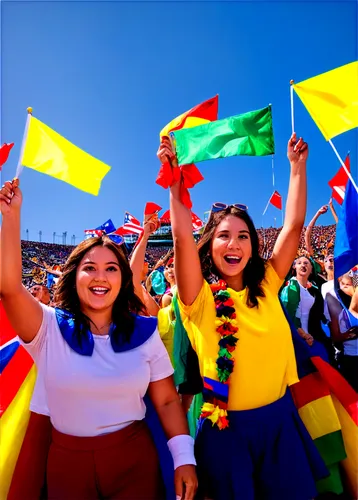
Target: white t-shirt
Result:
[328, 288]
[93, 395]
[304, 307]
[350, 347]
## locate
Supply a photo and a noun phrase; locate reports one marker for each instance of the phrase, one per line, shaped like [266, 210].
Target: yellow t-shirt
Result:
[264, 356]
[166, 322]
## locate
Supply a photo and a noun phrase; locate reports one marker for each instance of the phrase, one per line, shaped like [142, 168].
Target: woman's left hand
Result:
[297, 150]
[186, 482]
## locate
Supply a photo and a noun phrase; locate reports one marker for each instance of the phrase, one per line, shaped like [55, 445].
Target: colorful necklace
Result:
[226, 326]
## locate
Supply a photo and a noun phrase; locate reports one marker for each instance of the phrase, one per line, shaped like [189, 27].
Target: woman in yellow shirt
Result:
[251, 442]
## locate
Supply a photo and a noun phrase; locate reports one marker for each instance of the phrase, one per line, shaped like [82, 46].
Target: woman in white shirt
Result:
[98, 358]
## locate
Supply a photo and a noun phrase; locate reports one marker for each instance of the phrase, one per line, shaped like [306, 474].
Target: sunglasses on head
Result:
[98, 233]
[218, 207]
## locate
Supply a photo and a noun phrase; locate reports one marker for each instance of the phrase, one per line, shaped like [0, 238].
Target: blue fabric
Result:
[266, 453]
[346, 243]
[7, 353]
[84, 344]
[160, 441]
[107, 227]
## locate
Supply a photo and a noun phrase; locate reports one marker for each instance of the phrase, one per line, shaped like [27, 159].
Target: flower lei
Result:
[226, 327]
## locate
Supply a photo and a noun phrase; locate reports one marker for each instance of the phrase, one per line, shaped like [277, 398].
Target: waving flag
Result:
[196, 221]
[151, 208]
[249, 134]
[48, 152]
[4, 153]
[332, 99]
[339, 181]
[108, 227]
[202, 113]
[346, 245]
[17, 380]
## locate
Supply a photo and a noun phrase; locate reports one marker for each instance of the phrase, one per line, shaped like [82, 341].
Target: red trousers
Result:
[122, 465]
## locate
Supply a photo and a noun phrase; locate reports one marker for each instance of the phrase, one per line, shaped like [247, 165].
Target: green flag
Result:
[249, 134]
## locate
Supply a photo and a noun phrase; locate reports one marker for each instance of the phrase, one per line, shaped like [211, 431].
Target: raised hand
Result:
[297, 150]
[323, 210]
[10, 197]
[165, 152]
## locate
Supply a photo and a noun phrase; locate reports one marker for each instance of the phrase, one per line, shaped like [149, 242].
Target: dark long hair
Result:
[126, 303]
[254, 272]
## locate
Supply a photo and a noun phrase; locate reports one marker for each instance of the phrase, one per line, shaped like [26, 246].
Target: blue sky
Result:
[109, 75]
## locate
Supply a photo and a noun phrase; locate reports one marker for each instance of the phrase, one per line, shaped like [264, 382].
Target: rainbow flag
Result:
[17, 381]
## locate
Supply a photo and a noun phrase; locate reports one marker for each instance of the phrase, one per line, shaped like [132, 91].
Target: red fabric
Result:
[338, 385]
[188, 175]
[13, 376]
[308, 389]
[122, 464]
[151, 208]
[28, 480]
[340, 181]
[207, 110]
[276, 200]
[4, 153]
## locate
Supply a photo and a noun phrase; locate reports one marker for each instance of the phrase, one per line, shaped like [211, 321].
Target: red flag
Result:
[151, 208]
[276, 200]
[339, 181]
[196, 221]
[4, 153]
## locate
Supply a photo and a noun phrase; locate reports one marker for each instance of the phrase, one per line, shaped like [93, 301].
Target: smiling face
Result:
[231, 246]
[169, 272]
[303, 267]
[98, 279]
[346, 285]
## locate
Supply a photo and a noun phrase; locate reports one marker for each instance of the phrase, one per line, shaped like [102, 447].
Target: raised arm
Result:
[24, 312]
[286, 246]
[136, 265]
[333, 210]
[188, 274]
[309, 228]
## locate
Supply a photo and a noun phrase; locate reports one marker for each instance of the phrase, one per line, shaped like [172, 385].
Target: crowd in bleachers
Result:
[36, 255]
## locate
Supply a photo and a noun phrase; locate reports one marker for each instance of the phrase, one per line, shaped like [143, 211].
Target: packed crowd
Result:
[243, 341]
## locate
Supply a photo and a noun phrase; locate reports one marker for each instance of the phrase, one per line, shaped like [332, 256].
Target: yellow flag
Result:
[48, 152]
[332, 99]
[13, 425]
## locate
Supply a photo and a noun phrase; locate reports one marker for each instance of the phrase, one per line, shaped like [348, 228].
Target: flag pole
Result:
[20, 167]
[273, 172]
[267, 206]
[343, 165]
[292, 108]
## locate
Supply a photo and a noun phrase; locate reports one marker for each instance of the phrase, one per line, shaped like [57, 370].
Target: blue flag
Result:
[107, 227]
[346, 246]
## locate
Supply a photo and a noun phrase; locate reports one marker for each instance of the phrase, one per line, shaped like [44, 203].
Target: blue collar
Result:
[83, 344]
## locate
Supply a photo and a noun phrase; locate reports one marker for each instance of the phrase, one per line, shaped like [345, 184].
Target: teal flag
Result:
[249, 134]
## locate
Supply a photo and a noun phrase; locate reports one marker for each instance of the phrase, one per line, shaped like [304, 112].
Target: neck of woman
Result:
[100, 321]
[302, 280]
[235, 282]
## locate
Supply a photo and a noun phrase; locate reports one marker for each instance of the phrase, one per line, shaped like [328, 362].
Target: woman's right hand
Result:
[165, 153]
[10, 197]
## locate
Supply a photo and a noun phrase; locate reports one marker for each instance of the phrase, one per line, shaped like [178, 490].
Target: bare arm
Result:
[309, 228]
[335, 308]
[188, 273]
[23, 311]
[171, 415]
[286, 246]
[333, 210]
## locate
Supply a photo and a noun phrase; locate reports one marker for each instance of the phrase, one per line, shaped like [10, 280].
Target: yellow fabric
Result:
[49, 153]
[13, 424]
[332, 99]
[191, 121]
[166, 329]
[264, 356]
[350, 438]
[320, 417]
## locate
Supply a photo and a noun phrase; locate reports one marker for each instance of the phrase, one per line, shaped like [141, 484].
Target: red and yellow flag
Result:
[202, 113]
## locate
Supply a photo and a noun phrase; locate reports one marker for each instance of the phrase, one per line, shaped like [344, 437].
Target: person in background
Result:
[41, 293]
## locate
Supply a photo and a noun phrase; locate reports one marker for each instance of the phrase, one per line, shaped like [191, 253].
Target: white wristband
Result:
[182, 450]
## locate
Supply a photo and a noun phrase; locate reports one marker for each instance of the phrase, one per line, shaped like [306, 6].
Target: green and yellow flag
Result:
[249, 134]
[48, 152]
[332, 99]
